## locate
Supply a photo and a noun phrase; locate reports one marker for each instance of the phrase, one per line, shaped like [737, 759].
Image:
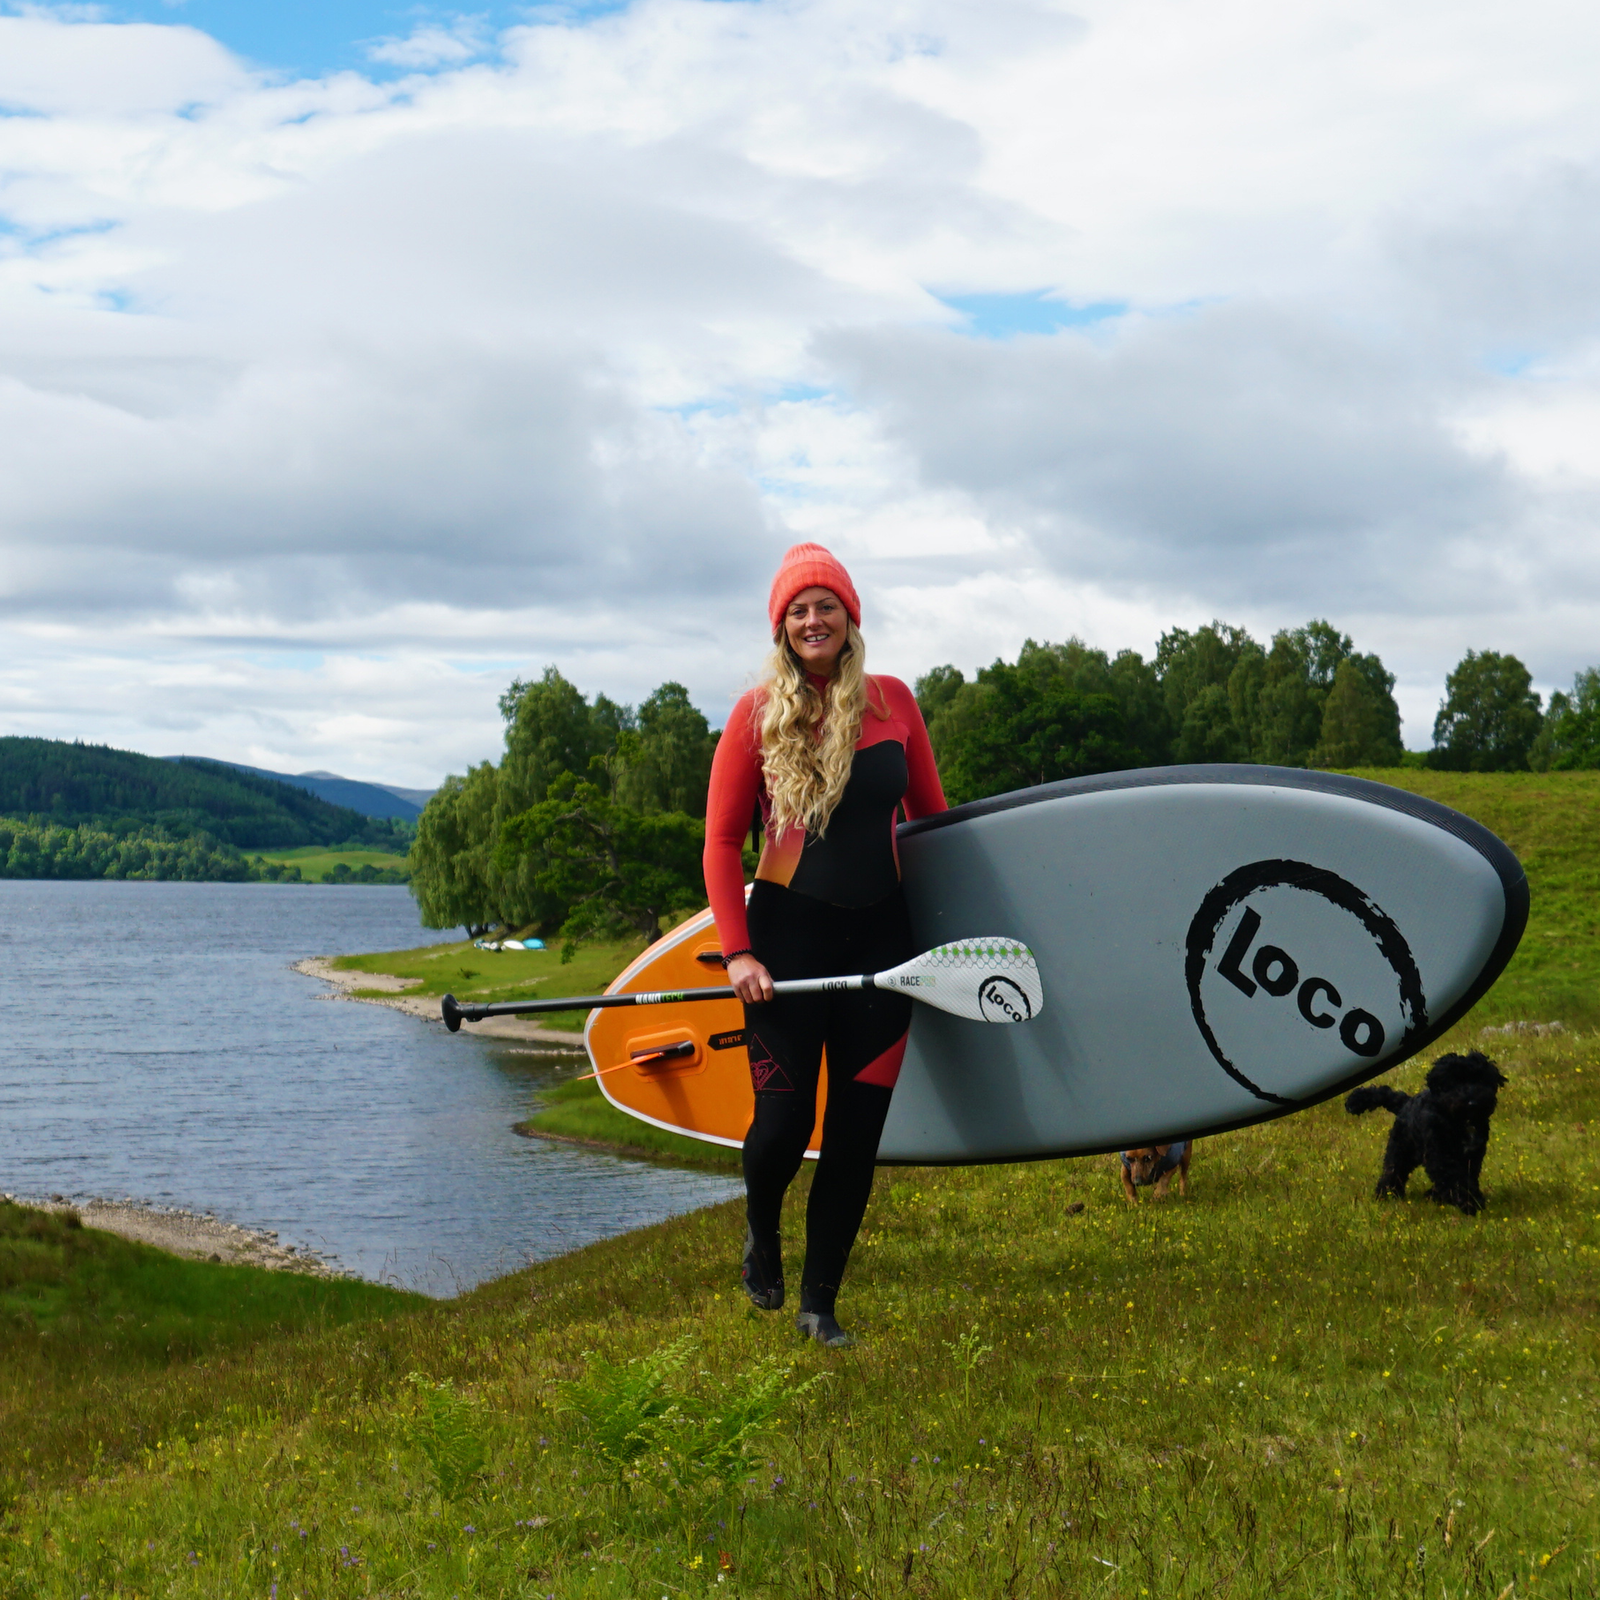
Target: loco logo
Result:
[1305, 958]
[1001, 1000]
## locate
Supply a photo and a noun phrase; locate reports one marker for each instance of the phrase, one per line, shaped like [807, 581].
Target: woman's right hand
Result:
[751, 981]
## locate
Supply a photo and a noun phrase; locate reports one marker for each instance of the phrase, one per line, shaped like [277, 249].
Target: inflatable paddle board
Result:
[1218, 945]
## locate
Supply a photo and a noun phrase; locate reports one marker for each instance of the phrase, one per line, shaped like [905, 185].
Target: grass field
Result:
[315, 863]
[110, 1345]
[1279, 1387]
[1552, 821]
[486, 976]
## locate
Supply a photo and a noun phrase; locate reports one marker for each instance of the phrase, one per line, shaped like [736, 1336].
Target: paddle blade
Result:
[984, 980]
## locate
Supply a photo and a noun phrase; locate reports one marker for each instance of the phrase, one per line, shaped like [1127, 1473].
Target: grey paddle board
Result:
[1219, 945]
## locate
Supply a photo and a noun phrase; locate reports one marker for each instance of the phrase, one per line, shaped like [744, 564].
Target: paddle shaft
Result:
[452, 1008]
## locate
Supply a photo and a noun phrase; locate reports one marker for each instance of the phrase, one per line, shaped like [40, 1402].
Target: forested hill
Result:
[50, 781]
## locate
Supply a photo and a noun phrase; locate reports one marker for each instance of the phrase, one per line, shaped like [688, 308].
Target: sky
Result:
[356, 359]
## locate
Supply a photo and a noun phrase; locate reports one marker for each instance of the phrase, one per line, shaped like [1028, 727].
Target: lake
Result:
[158, 1047]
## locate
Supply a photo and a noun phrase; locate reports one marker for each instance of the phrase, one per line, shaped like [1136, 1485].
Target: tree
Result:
[1212, 681]
[617, 870]
[1489, 718]
[1298, 677]
[1570, 738]
[937, 689]
[452, 874]
[1210, 731]
[1136, 688]
[1024, 727]
[551, 732]
[663, 762]
[1360, 722]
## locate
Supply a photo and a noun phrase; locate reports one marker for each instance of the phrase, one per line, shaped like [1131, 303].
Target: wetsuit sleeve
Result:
[730, 803]
[924, 793]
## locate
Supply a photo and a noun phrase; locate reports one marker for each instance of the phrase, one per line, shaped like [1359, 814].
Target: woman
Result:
[828, 754]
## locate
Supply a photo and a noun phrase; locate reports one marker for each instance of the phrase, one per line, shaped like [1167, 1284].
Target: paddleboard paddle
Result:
[989, 979]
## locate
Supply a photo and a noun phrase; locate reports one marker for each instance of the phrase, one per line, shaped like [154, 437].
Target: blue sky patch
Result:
[315, 37]
[1003, 316]
[1512, 363]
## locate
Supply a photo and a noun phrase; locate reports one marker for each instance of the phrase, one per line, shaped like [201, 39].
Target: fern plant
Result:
[711, 1440]
[640, 1421]
[627, 1409]
[445, 1432]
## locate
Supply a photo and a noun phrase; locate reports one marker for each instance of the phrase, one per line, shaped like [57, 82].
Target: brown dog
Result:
[1155, 1165]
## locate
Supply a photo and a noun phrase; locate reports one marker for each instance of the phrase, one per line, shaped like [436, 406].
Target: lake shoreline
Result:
[201, 1236]
[624, 1152]
[344, 984]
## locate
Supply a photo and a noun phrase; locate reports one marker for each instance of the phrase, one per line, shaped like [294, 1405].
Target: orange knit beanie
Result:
[807, 566]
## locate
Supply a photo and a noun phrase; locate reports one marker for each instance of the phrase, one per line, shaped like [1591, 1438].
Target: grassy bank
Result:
[576, 1110]
[1280, 1387]
[110, 1345]
[486, 976]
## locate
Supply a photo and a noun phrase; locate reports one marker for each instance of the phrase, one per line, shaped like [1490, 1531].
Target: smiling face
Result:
[814, 623]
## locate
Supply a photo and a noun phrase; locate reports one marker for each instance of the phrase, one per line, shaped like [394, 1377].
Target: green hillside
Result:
[51, 782]
[1552, 821]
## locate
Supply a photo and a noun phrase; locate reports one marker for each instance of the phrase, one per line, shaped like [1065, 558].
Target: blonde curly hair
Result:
[808, 740]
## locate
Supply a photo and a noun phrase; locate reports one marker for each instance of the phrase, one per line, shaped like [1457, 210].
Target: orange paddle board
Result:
[681, 1067]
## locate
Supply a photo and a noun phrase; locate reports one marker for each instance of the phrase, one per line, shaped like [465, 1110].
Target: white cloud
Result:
[431, 45]
[327, 405]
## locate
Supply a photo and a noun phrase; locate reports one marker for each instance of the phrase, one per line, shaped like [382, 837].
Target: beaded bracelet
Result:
[733, 955]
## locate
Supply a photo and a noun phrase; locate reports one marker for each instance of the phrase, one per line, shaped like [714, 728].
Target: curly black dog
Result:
[1444, 1130]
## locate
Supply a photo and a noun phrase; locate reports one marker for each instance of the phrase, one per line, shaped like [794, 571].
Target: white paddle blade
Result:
[984, 980]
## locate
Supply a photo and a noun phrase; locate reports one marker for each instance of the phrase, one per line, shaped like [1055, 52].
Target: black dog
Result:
[1444, 1130]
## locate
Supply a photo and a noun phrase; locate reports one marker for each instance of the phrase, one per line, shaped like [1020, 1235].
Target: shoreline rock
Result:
[189, 1233]
[343, 982]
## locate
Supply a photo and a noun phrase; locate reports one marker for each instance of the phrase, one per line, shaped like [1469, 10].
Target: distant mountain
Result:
[118, 791]
[418, 797]
[370, 799]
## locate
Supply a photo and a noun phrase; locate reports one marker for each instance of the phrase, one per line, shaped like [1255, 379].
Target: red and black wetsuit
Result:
[821, 907]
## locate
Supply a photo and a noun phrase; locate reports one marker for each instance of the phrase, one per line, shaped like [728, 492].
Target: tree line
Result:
[592, 822]
[1214, 694]
[1307, 699]
[35, 850]
[31, 849]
